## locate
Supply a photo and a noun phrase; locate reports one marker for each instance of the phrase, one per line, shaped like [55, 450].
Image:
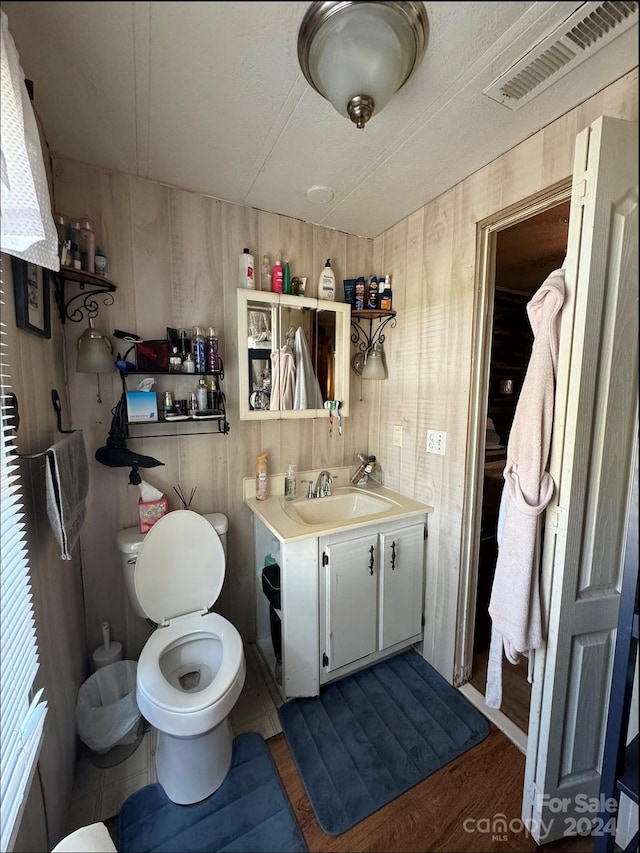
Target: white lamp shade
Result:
[95, 354]
[375, 367]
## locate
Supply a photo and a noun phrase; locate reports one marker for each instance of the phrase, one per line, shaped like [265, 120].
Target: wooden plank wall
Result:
[432, 257]
[174, 255]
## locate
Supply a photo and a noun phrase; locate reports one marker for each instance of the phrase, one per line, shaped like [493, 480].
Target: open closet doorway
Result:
[520, 251]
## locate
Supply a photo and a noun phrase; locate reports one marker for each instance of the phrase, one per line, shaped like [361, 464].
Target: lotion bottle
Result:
[261, 477]
[290, 484]
[327, 283]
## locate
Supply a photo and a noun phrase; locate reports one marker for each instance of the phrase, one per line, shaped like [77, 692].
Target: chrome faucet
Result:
[323, 485]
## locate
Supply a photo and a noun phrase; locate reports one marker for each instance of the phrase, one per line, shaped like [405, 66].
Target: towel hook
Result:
[15, 422]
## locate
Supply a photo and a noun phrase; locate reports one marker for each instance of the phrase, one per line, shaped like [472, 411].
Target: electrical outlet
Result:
[397, 436]
[436, 441]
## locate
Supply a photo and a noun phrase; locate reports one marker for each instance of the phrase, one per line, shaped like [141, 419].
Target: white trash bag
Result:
[106, 711]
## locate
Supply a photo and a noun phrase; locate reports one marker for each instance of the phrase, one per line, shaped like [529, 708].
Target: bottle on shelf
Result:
[278, 273]
[198, 349]
[327, 282]
[372, 299]
[247, 270]
[201, 394]
[386, 297]
[359, 294]
[212, 357]
[265, 273]
[188, 365]
[101, 262]
[286, 277]
[87, 244]
[261, 477]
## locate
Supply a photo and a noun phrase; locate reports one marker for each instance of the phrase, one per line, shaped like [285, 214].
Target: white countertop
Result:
[274, 515]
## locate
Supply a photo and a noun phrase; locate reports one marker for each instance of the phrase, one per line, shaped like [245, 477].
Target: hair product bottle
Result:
[286, 277]
[265, 273]
[261, 477]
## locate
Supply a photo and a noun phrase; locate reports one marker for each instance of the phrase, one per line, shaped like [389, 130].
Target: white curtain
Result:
[27, 229]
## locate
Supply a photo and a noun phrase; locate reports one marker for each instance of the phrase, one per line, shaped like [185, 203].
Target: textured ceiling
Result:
[210, 97]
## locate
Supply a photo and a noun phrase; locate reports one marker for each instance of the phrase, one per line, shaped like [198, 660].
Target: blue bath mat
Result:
[249, 812]
[371, 736]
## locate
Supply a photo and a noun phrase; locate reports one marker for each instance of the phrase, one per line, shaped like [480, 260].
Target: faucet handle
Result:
[310, 489]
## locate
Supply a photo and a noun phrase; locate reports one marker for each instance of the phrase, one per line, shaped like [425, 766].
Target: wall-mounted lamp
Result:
[95, 353]
[375, 366]
[358, 54]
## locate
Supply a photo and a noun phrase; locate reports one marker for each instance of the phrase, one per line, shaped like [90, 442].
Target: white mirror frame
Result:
[342, 353]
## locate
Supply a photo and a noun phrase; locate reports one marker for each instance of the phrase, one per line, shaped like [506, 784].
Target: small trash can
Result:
[271, 588]
[107, 716]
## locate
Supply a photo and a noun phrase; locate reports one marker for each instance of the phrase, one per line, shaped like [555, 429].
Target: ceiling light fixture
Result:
[358, 54]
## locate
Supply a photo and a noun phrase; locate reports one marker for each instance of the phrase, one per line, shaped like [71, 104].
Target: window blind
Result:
[21, 713]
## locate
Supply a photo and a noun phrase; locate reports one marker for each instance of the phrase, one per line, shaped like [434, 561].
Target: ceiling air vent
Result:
[588, 29]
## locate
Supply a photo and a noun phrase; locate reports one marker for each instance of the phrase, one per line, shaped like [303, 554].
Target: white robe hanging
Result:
[515, 597]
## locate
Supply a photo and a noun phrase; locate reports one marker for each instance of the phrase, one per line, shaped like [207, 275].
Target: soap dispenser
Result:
[290, 484]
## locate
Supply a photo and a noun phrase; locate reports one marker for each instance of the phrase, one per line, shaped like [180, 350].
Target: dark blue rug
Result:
[249, 812]
[371, 736]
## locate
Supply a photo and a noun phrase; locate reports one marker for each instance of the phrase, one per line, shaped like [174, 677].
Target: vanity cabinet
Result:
[371, 595]
[293, 355]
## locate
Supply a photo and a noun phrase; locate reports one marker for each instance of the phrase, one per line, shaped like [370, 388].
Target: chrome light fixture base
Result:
[341, 28]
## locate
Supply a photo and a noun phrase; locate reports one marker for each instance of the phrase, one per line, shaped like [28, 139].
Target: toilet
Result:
[192, 668]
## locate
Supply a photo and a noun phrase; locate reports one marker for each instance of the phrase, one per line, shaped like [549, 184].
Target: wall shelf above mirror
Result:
[293, 355]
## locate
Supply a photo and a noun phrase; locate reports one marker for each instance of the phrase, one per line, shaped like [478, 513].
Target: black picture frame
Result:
[32, 294]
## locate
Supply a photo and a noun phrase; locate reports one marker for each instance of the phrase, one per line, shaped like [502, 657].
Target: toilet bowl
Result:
[192, 668]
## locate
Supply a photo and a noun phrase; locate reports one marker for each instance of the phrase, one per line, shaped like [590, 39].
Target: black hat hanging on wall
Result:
[116, 454]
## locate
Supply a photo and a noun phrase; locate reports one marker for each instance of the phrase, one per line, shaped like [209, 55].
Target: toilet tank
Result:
[130, 539]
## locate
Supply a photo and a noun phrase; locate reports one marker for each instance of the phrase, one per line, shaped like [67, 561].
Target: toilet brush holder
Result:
[108, 652]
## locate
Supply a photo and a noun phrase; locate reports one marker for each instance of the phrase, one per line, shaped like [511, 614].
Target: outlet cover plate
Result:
[436, 441]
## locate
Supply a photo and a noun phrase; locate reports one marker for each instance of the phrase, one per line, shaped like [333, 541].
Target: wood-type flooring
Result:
[458, 808]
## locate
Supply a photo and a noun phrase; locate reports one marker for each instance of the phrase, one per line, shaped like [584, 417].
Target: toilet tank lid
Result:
[130, 539]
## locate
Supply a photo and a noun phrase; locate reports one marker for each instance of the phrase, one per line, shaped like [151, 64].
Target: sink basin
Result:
[343, 505]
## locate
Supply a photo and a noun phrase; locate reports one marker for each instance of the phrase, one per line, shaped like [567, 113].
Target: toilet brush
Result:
[109, 652]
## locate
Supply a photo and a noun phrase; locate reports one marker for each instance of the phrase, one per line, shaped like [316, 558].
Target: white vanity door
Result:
[401, 582]
[350, 600]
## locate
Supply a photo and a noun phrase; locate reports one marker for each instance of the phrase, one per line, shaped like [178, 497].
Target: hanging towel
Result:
[307, 393]
[515, 599]
[67, 488]
[283, 379]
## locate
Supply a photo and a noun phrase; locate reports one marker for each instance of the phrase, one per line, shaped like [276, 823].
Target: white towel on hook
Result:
[67, 476]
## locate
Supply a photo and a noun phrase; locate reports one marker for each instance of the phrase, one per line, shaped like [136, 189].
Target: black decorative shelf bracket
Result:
[91, 287]
[364, 340]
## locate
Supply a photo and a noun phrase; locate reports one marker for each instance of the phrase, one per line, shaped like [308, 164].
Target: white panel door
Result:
[595, 430]
[351, 603]
[401, 582]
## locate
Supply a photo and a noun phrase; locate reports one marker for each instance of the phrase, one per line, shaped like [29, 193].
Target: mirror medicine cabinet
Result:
[293, 355]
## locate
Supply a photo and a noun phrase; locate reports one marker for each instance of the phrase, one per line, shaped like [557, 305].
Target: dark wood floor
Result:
[482, 784]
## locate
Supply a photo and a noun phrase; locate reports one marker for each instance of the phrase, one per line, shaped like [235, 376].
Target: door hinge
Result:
[325, 558]
[558, 520]
[426, 532]
[325, 659]
[422, 620]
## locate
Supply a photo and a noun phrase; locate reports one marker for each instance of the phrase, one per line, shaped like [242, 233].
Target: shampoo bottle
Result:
[327, 283]
[290, 484]
[261, 476]
[265, 274]
[247, 271]
[276, 280]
